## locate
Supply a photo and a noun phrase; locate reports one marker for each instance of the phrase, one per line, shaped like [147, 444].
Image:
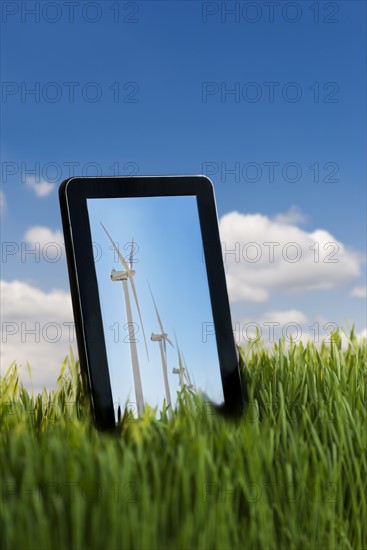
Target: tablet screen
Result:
[155, 303]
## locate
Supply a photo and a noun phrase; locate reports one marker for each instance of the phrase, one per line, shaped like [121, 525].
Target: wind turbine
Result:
[190, 385]
[184, 376]
[162, 338]
[180, 372]
[124, 276]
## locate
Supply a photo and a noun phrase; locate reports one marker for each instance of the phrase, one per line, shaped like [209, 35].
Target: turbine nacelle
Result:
[178, 371]
[159, 337]
[121, 275]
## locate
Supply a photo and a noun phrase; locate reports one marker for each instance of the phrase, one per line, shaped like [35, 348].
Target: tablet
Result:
[149, 295]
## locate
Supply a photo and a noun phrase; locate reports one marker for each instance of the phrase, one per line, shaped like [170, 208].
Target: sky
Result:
[168, 257]
[267, 99]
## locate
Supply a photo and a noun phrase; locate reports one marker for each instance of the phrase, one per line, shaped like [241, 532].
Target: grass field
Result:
[292, 473]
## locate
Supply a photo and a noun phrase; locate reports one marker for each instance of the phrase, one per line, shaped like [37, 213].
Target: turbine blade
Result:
[169, 341]
[165, 348]
[131, 279]
[131, 254]
[122, 259]
[187, 376]
[178, 350]
[189, 381]
[156, 310]
[186, 372]
[184, 361]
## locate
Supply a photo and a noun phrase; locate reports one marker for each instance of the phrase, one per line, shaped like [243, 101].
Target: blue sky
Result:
[173, 65]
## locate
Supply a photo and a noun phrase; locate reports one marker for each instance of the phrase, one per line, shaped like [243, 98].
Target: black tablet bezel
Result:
[73, 194]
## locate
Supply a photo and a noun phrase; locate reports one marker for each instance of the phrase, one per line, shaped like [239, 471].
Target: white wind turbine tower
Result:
[162, 338]
[124, 276]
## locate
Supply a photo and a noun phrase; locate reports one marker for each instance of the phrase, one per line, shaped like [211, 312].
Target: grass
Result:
[292, 473]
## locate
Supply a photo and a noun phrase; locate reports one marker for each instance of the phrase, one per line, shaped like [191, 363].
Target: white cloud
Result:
[292, 217]
[44, 236]
[271, 325]
[2, 202]
[41, 188]
[37, 327]
[243, 291]
[285, 317]
[358, 292]
[262, 255]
